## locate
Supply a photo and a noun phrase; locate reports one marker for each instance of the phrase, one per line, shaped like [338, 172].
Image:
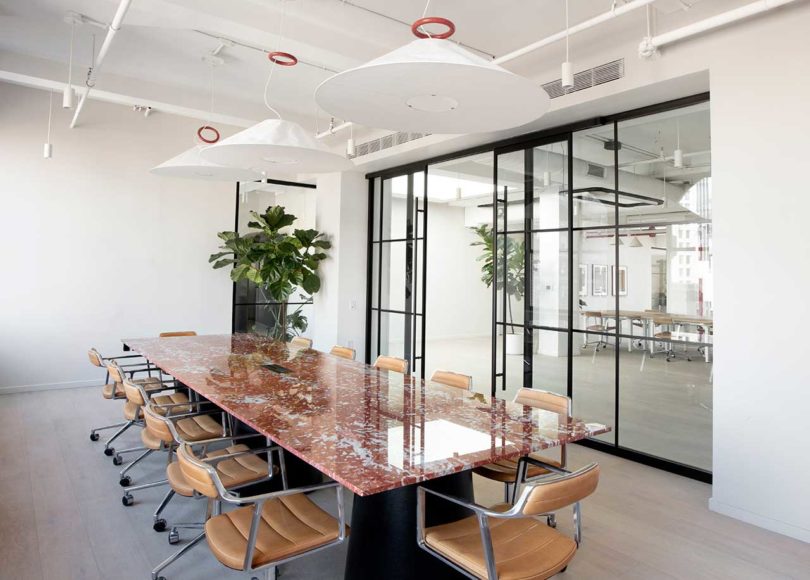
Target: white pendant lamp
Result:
[191, 165]
[276, 144]
[47, 148]
[635, 243]
[432, 85]
[567, 73]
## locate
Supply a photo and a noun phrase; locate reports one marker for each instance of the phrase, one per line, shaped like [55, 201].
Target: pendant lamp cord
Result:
[273, 63]
[70, 58]
[424, 13]
[566, 32]
[50, 113]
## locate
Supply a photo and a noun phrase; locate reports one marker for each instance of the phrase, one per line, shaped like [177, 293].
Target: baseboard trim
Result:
[49, 386]
[761, 521]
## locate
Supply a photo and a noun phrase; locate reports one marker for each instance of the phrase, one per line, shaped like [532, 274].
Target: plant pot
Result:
[514, 344]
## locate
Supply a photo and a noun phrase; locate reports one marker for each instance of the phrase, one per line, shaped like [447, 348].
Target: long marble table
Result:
[376, 433]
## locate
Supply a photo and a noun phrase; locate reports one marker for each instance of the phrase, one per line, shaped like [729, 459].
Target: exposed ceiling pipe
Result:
[585, 25]
[114, 27]
[650, 45]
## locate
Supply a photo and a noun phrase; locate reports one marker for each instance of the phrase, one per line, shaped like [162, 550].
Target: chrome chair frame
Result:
[482, 513]
[127, 369]
[258, 501]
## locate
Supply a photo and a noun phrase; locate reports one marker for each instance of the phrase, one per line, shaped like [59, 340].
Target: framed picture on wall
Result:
[622, 281]
[583, 280]
[599, 280]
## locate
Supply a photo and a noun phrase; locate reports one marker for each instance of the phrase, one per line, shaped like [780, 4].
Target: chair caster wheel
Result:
[118, 460]
[551, 521]
[128, 500]
[93, 436]
[109, 451]
[159, 525]
[125, 481]
[174, 537]
[564, 569]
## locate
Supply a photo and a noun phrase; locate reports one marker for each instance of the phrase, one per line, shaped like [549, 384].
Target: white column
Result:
[338, 313]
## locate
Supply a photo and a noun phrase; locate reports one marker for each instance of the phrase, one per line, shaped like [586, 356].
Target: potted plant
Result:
[277, 263]
[513, 281]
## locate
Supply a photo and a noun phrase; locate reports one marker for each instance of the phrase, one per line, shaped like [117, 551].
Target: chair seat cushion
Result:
[149, 384]
[198, 428]
[289, 525]
[505, 470]
[525, 548]
[180, 484]
[171, 399]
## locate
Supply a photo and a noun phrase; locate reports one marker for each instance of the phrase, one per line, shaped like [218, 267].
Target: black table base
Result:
[382, 543]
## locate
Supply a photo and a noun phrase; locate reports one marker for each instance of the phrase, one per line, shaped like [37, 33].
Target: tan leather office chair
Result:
[175, 333]
[452, 379]
[343, 352]
[507, 470]
[301, 342]
[285, 524]
[507, 541]
[664, 332]
[596, 322]
[242, 469]
[391, 363]
[114, 390]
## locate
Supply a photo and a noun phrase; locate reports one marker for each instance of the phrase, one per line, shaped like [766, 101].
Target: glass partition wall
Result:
[589, 249]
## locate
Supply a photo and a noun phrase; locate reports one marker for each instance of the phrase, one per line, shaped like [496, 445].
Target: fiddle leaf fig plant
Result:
[277, 262]
[514, 280]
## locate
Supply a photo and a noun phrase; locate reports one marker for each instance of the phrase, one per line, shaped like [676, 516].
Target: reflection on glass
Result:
[550, 168]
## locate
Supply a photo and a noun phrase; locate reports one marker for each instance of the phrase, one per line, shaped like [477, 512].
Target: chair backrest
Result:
[301, 342]
[592, 314]
[116, 374]
[553, 494]
[391, 363]
[133, 393]
[95, 357]
[343, 352]
[545, 400]
[198, 474]
[157, 424]
[452, 379]
[177, 333]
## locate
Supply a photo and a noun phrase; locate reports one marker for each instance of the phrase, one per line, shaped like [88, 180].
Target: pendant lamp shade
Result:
[635, 243]
[432, 85]
[276, 145]
[190, 164]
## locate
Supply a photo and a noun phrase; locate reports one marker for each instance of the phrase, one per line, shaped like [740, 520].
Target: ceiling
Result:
[161, 44]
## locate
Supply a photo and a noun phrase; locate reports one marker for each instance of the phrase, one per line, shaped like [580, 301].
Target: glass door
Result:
[530, 339]
[398, 246]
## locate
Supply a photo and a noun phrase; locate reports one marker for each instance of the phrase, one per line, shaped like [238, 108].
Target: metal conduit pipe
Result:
[114, 27]
[650, 45]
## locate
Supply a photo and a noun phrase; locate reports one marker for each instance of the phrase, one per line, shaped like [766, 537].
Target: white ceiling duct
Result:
[273, 145]
[432, 85]
[190, 164]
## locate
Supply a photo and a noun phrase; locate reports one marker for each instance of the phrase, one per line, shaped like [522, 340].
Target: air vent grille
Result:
[598, 75]
[386, 142]
[596, 170]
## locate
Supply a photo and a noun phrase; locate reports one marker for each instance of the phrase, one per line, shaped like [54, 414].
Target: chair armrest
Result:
[472, 506]
[228, 497]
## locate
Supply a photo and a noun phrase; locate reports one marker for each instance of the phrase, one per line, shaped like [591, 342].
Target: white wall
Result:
[458, 303]
[760, 122]
[95, 247]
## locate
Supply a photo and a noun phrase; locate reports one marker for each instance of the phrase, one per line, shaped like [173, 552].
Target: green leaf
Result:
[311, 284]
[217, 256]
[222, 263]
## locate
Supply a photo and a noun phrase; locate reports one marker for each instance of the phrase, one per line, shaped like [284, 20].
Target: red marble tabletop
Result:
[370, 430]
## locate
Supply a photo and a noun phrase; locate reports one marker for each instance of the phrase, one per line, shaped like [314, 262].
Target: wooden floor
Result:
[62, 517]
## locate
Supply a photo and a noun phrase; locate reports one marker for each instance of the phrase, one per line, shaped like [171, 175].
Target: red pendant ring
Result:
[282, 58]
[451, 28]
[208, 128]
